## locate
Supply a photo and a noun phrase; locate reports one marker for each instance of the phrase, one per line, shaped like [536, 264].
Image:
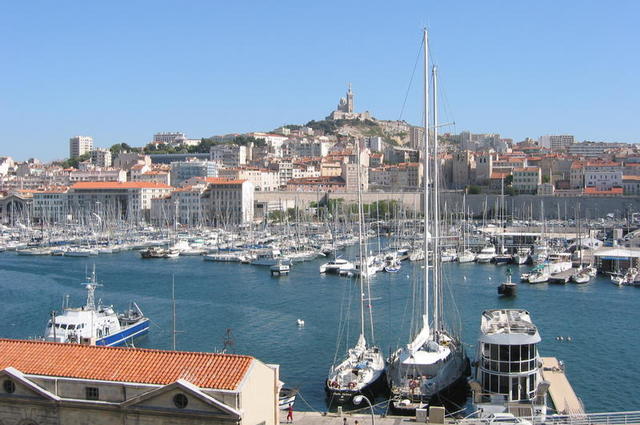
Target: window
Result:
[180, 400]
[9, 386]
[92, 393]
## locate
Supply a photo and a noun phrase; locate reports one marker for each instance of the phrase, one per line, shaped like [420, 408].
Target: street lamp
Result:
[358, 399]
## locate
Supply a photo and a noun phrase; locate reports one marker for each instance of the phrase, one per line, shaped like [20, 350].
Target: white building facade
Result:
[79, 145]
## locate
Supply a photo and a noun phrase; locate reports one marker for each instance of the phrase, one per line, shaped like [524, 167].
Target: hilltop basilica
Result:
[345, 110]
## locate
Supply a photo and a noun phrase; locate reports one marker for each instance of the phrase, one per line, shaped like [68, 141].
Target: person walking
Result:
[290, 413]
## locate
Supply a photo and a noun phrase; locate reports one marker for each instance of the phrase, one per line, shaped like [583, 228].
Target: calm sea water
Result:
[261, 310]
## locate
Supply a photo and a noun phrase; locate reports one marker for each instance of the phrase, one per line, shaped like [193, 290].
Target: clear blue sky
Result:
[123, 70]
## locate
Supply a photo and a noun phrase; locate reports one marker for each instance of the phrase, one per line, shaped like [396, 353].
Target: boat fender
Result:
[352, 384]
[413, 384]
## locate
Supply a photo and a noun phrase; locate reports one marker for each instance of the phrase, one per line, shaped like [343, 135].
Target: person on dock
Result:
[290, 413]
[344, 421]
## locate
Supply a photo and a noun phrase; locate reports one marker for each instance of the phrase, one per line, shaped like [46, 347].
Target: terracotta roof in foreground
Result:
[206, 370]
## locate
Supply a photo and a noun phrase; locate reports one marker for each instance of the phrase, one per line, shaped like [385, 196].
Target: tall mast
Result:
[437, 313]
[363, 260]
[425, 178]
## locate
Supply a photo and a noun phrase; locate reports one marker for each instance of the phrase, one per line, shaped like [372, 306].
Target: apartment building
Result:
[227, 202]
[181, 206]
[101, 157]
[50, 205]
[602, 175]
[631, 185]
[404, 176]
[184, 170]
[229, 155]
[98, 175]
[262, 179]
[527, 179]
[79, 145]
[128, 200]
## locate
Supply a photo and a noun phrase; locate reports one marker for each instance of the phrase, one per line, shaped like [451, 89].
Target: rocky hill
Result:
[394, 132]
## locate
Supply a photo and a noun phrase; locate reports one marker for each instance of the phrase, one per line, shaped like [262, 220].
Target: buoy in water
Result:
[300, 322]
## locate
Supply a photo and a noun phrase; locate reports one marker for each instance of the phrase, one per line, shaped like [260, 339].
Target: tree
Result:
[73, 162]
[508, 180]
[473, 190]
[545, 179]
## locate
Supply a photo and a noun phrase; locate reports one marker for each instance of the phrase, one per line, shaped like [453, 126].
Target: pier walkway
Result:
[607, 418]
[315, 418]
[564, 398]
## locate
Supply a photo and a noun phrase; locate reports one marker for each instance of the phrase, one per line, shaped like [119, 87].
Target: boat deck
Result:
[564, 398]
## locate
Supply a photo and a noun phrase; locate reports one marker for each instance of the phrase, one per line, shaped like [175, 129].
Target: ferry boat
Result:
[508, 374]
[96, 325]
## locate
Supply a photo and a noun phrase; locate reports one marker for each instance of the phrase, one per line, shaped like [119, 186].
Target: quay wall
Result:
[520, 206]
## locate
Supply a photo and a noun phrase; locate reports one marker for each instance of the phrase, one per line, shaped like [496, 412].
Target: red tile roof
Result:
[595, 191]
[206, 370]
[499, 175]
[602, 164]
[120, 185]
[222, 180]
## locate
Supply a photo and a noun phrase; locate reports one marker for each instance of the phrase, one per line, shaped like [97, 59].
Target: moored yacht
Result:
[433, 365]
[521, 256]
[508, 376]
[337, 266]
[486, 254]
[466, 256]
[363, 368]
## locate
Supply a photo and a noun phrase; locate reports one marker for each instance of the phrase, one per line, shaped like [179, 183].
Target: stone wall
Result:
[520, 206]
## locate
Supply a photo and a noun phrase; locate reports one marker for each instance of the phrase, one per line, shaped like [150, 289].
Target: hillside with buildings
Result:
[214, 180]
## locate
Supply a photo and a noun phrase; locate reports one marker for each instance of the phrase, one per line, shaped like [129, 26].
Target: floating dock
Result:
[563, 277]
[564, 398]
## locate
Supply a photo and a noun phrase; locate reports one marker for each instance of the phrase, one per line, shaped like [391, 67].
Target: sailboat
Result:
[433, 363]
[363, 368]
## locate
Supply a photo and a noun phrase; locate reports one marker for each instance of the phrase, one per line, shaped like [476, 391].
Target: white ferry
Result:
[99, 325]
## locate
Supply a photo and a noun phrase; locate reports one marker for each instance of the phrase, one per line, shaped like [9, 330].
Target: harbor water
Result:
[262, 312]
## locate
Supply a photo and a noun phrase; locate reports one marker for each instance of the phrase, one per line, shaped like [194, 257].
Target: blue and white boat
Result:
[96, 325]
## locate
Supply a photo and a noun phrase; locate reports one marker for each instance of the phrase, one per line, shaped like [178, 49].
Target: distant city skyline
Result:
[121, 72]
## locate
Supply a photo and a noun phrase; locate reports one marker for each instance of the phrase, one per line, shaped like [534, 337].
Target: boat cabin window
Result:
[49, 325]
[63, 326]
[71, 327]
